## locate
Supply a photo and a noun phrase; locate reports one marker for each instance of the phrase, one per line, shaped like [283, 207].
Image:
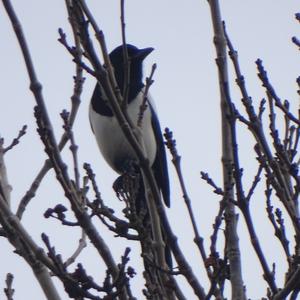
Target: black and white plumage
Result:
[111, 140]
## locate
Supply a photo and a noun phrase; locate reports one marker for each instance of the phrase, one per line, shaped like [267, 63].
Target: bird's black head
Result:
[136, 57]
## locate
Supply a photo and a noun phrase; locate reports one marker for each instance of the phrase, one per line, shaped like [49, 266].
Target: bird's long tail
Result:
[143, 211]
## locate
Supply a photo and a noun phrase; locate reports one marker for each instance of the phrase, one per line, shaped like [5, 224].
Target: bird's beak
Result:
[143, 53]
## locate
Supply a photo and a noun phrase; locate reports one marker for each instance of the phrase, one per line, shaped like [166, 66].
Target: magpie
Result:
[111, 140]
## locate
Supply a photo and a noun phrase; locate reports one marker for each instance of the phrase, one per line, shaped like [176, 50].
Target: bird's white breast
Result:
[112, 141]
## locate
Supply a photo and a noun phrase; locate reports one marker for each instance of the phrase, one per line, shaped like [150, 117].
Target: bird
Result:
[110, 138]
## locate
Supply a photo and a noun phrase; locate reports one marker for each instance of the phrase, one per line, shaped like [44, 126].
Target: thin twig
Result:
[9, 291]
[176, 159]
[266, 83]
[16, 140]
[5, 187]
[279, 233]
[255, 182]
[126, 60]
[209, 181]
[81, 245]
[73, 147]
[144, 105]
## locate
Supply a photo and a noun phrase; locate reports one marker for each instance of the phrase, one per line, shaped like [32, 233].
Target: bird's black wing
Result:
[160, 167]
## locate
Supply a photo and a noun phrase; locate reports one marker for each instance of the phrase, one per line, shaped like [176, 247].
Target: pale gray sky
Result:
[186, 95]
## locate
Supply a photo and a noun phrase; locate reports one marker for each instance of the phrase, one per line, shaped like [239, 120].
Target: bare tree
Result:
[276, 154]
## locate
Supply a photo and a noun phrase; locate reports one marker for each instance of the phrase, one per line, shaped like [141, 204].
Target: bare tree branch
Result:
[232, 242]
